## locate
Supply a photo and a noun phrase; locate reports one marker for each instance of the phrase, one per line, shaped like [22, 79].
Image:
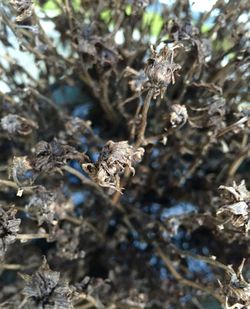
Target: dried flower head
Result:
[237, 209]
[48, 207]
[14, 124]
[237, 289]
[21, 170]
[76, 126]
[9, 226]
[23, 9]
[161, 69]
[177, 117]
[113, 160]
[53, 155]
[45, 289]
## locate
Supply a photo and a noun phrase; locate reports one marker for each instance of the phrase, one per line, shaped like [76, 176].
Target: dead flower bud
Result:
[53, 155]
[237, 289]
[9, 226]
[177, 117]
[237, 209]
[23, 9]
[21, 171]
[14, 124]
[76, 126]
[45, 289]
[113, 160]
[138, 81]
[48, 207]
[161, 69]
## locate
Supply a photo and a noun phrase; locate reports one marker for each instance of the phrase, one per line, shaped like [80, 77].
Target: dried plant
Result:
[119, 121]
[9, 226]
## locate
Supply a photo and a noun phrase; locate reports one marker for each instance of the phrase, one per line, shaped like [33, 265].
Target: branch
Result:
[145, 109]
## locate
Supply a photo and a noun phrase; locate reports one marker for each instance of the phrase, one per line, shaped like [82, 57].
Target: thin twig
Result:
[144, 115]
[185, 281]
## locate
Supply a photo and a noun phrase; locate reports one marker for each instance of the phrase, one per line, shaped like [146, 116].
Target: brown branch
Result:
[185, 281]
[144, 115]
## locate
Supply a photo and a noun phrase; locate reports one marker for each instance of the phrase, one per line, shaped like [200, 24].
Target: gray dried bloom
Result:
[237, 208]
[113, 160]
[9, 226]
[177, 117]
[48, 207]
[77, 126]
[15, 124]
[237, 289]
[45, 290]
[23, 9]
[161, 69]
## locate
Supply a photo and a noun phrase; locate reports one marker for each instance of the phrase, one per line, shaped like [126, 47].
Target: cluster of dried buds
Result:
[23, 9]
[113, 160]
[236, 210]
[9, 226]
[15, 124]
[236, 290]
[161, 69]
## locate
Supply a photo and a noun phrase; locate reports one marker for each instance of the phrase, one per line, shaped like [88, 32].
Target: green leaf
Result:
[154, 21]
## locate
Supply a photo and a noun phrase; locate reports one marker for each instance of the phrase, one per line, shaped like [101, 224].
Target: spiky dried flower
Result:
[113, 160]
[161, 69]
[23, 9]
[237, 209]
[237, 289]
[9, 226]
[53, 155]
[45, 289]
[15, 124]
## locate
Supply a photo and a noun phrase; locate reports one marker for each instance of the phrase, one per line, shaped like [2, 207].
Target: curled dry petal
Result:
[236, 289]
[237, 209]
